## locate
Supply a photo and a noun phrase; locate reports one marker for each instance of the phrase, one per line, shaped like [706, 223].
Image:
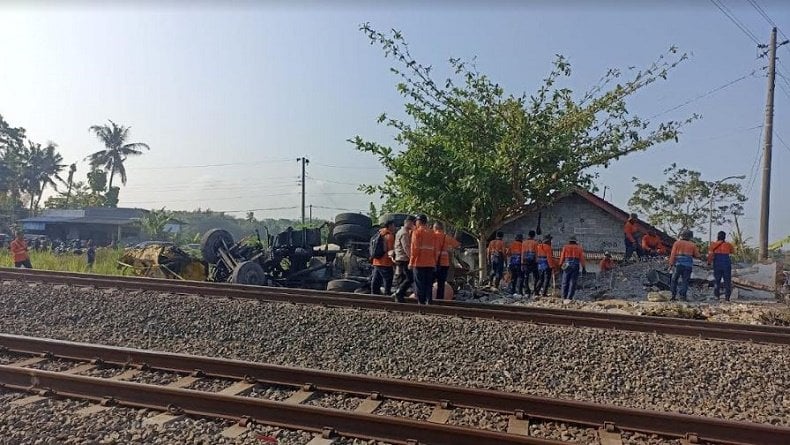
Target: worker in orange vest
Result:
[19, 251]
[606, 263]
[650, 244]
[529, 262]
[545, 260]
[719, 257]
[682, 258]
[383, 266]
[444, 244]
[571, 260]
[496, 257]
[423, 259]
[513, 255]
[631, 243]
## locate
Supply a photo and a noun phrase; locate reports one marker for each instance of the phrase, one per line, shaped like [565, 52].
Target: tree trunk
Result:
[112, 173]
[32, 204]
[482, 256]
[68, 193]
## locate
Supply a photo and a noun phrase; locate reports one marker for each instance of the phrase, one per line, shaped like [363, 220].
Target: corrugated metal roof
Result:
[48, 219]
[108, 221]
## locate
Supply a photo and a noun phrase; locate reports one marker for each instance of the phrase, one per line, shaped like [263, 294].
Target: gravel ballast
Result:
[730, 380]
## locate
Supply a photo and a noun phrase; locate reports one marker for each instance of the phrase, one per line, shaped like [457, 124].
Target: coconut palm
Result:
[42, 167]
[116, 150]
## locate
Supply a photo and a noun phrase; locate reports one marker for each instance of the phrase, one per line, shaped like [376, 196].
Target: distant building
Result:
[597, 223]
[101, 224]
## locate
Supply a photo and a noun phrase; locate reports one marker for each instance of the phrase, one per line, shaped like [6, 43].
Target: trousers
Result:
[441, 280]
[570, 277]
[544, 280]
[381, 275]
[530, 268]
[423, 281]
[722, 277]
[683, 274]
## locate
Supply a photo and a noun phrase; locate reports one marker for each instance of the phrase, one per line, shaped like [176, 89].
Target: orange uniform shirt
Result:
[19, 250]
[606, 265]
[389, 246]
[572, 253]
[545, 250]
[424, 252]
[683, 252]
[496, 246]
[529, 250]
[719, 248]
[514, 248]
[650, 242]
[445, 243]
[629, 229]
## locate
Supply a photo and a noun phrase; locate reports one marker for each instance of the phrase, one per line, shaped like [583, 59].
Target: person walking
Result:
[545, 260]
[514, 266]
[383, 265]
[445, 243]
[20, 252]
[571, 259]
[404, 275]
[719, 256]
[529, 263]
[682, 258]
[650, 244]
[423, 259]
[631, 243]
[91, 254]
[496, 256]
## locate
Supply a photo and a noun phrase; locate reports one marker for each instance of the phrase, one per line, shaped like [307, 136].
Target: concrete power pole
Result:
[765, 198]
[304, 162]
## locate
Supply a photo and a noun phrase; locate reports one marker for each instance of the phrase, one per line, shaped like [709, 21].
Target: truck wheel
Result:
[353, 218]
[398, 218]
[344, 233]
[212, 241]
[249, 272]
[343, 285]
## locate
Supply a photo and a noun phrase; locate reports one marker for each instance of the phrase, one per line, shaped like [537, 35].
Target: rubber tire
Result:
[248, 272]
[353, 218]
[343, 285]
[212, 241]
[343, 233]
[399, 218]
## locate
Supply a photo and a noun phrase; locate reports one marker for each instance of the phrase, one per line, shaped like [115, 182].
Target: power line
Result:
[708, 93]
[729, 14]
[782, 141]
[353, 167]
[767, 18]
[227, 164]
[757, 158]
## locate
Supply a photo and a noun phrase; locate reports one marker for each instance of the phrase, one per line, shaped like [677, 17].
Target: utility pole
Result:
[311, 214]
[304, 162]
[765, 198]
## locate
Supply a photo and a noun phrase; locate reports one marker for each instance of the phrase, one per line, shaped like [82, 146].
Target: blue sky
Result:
[261, 83]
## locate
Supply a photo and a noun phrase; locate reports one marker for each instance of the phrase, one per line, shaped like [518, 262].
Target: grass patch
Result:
[106, 261]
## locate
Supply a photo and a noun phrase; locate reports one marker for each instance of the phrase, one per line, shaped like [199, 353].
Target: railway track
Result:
[176, 399]
[601, 320]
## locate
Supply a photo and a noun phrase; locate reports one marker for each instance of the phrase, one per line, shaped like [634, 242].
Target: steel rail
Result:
[583, 413]
[207, 404]
[660, 325]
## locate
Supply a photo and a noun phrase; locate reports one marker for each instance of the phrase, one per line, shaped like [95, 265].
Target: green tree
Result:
[42, 166]
[472, 155]
[154, 222]
[12, 141]
[683, 202]
[373, 213]
[116, 150]
[70, 182]
[81, 196]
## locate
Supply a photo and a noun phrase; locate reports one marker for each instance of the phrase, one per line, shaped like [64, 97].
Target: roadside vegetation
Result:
[106, 261]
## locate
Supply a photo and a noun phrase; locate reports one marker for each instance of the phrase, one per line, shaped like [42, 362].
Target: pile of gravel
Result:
[730, 380]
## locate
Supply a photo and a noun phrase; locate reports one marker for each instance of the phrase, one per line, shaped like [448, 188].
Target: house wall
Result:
[596, 230]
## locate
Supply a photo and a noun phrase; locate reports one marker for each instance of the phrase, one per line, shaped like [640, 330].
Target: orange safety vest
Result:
[684, 252]
[629, 229]
[572, 253]
[650, 242]
[529, 249]
[444, 243]
[389, 246]
[423, 248]
[19, 250]
[545, 251]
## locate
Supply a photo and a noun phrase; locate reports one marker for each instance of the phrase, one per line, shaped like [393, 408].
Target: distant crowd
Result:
[418, 256]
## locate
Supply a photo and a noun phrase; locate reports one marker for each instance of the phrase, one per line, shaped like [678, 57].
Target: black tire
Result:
[212, 241]
[344, 233]
[398, 218]
[248, 272]
[353, 218]
[343, 285]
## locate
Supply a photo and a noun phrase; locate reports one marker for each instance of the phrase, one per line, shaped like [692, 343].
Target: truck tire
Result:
[212, 241]
[398, 218]
[344, 233]
[248, 272]
[353, 218]
[343, 285]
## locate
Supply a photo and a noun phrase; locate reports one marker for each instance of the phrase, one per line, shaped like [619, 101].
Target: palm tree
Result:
[116, 149]
[72, 170]
[42, 167]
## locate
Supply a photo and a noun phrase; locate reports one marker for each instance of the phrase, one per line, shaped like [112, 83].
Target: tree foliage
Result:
[683, 202]
[154, 222]
[116, 150]
[474, 155]
[81, 196]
